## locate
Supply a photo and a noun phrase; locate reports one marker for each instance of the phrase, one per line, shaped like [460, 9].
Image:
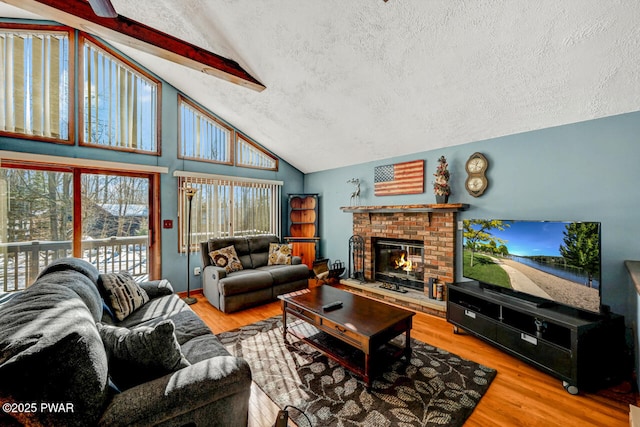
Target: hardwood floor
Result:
[520, 395]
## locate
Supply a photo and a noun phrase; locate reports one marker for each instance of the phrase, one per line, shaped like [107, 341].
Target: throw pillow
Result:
[141, 354]
[226, 258]
[125, 296]
[279, 254]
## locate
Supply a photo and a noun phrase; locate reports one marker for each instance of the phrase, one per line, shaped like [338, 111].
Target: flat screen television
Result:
[541, 262]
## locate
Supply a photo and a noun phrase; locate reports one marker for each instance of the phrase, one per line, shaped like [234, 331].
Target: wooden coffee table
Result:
[355, 335]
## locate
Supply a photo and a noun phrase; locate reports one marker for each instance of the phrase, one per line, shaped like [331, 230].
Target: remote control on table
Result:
[332, 305]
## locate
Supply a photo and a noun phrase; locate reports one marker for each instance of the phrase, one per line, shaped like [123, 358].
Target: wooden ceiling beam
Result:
[79, 14]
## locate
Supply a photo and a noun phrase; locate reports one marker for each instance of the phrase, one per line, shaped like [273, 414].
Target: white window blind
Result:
[34, 83]
[224, 206]
[120, 102]
[202, 137]
[250, 155]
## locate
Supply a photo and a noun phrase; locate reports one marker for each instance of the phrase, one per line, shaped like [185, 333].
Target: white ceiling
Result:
[360, 80]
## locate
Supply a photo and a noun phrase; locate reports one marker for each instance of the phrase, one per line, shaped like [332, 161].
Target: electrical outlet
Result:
[460, 225]
[196, 271]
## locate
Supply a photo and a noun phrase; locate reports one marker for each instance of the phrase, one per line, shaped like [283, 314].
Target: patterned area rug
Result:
[435, 388]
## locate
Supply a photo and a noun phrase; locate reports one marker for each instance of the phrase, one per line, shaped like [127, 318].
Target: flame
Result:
[403, 263]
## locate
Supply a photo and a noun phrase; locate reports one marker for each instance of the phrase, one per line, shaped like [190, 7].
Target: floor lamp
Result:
[189, 192]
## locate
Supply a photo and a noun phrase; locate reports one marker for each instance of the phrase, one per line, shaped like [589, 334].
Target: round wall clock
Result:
[476, 167]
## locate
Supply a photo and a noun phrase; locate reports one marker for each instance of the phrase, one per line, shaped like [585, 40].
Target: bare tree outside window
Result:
[115, 222]
[38, 207]
[39, 227]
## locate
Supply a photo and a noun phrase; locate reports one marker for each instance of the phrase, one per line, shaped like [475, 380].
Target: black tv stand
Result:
[563, 341]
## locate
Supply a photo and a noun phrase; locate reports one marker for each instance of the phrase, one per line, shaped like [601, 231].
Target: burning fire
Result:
[403, 263]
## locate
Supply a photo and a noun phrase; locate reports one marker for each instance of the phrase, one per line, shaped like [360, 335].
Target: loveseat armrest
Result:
[295, 260]
[211, 275]
[157, 288]
[212, 392]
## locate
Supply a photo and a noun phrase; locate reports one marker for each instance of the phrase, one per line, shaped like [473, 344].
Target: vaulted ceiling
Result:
[360, 80]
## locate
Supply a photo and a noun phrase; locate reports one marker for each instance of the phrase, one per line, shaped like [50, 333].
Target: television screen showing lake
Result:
[554, 260]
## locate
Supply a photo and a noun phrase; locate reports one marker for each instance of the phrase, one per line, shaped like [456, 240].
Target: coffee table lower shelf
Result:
[344, 353]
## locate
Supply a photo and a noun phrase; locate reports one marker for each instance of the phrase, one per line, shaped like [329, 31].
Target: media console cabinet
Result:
[583, 349]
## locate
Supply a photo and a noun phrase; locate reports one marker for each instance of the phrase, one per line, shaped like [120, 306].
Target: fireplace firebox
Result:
[399, 262]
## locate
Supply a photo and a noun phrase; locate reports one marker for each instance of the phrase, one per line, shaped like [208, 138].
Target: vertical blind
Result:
[120, 104]
[224, 207]
[201, 137]
[250, 155]
[34, 83]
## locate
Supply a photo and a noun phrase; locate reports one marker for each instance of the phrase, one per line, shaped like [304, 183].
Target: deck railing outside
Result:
[21, 262]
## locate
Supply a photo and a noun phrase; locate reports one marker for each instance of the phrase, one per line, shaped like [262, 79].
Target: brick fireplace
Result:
[434, 225]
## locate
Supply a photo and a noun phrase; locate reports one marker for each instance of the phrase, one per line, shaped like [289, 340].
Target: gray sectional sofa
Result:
[53, 351]
[257, 282]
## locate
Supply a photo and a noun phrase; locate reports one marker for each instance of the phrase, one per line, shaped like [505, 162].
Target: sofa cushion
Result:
[245, 281]
[226, 258]
[156, 310]
[280, 254]
[259, 246]
[286, 273]
[141, 354]
[124, 294]
[239, 243]
[187, 323]
[50, 351]
[76, 264]
[79, 284]
[77, 275]
[203, 347]
[189, 326]
[156, 288]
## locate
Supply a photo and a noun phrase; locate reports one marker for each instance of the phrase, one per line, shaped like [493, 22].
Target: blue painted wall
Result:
[585, 171]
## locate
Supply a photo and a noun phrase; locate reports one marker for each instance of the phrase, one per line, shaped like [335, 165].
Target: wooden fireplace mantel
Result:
[444, 207]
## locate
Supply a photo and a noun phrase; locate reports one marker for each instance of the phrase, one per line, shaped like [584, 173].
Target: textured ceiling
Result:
[361, 80]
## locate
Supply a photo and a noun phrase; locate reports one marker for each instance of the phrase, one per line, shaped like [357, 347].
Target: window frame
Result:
[209, 116]
[71, 122]
[154, 248]
[184, 179]
[241, 136]
[81, 104]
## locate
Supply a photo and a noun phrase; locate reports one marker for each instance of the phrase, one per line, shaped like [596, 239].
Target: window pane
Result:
[37, 208]
[250, 155]
[115, 223]
[210, 213]
[252, 210]
[201, 136]
[34, 83]
[120, 103]
[222, 208]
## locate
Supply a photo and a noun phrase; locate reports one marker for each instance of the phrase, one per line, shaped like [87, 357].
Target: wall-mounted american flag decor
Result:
[401, 178]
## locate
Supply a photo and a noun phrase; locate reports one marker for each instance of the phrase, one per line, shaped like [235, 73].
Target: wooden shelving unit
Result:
[303, 227]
